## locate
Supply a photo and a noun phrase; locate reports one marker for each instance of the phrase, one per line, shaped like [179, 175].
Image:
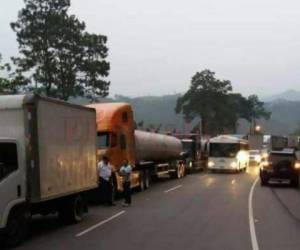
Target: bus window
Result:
[244, 147]
[224, 150]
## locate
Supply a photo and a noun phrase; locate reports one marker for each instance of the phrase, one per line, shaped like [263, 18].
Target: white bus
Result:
[228, 153]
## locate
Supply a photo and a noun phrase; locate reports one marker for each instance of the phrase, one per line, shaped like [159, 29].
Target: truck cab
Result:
[12, 178]
[115, 138]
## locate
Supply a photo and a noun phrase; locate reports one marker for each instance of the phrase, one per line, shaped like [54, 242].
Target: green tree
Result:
[206, 98]
[256, 111]
[212, 100]
[60, 57]
[11, 82]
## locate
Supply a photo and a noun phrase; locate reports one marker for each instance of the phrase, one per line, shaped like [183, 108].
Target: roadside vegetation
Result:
[57, 56]
[219, 108]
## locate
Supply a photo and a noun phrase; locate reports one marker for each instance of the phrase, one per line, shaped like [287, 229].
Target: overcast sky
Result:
[156, 46]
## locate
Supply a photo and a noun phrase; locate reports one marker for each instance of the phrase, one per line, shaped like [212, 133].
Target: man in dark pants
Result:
[125, 171]
[105, 174]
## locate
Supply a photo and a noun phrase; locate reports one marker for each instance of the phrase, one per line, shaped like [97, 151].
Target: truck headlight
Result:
[210, 164]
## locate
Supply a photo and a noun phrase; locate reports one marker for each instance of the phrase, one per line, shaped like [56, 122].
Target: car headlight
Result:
[257, 158]
[211, 164]
[233, 164]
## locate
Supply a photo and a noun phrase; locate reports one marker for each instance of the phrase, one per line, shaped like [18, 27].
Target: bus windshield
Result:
[228, 150]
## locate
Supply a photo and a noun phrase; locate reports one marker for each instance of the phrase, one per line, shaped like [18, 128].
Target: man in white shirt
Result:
[105, 176]
[126, 171]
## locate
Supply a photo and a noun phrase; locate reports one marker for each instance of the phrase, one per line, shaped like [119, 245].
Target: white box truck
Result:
[256, 142]
[47, 161]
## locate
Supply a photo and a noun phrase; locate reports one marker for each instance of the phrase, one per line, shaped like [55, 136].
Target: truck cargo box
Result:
[57, 144]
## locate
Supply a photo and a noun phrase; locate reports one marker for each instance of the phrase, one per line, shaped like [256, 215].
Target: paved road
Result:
[202, 211]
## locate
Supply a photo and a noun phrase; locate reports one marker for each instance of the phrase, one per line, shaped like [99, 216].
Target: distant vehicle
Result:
[151, 154]
[228, 153]
[256, 142]
[47, 161]
[255, 157]
[280, 167]
[294, 141]
[192, 154]
[275, 142]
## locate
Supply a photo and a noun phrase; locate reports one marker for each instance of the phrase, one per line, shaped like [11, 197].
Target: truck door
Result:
[11, 181]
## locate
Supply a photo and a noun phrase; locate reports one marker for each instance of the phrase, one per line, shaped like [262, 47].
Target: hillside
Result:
[289, 95]
[156, 110]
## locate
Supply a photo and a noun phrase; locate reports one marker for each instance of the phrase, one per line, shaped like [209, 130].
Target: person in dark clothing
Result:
[105, 175]
[126, 171]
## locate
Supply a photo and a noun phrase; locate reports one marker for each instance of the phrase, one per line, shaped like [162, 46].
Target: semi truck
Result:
[47, 161]
[151, 154]
[194, 156]
[276, 142]
[294, 141]
[256, 141]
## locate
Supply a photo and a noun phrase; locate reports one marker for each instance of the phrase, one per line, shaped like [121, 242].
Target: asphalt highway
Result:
[210, 211]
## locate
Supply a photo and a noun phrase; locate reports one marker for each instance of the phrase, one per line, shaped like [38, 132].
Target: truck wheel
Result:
[16, 230]
[178, 173]
[147, 179]
[72, 210]
[142, 182]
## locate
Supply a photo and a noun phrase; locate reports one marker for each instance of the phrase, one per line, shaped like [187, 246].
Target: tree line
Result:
[58, 57]
[219, 108]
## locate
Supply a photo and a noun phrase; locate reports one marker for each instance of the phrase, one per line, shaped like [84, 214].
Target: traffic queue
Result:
[56, 157]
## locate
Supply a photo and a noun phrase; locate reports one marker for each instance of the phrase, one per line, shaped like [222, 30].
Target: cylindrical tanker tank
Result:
[156, 147]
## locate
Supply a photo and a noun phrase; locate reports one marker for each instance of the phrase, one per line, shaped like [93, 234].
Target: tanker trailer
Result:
[158, 154]
[150, 154]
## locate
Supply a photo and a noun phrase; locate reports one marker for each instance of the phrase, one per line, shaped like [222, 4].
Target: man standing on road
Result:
[125, 171]
[105, 174]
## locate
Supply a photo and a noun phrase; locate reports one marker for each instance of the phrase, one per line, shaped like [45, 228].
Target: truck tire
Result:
[142, 182]
[16, 230]
[180, 171]
[147, 179]
[72, 210]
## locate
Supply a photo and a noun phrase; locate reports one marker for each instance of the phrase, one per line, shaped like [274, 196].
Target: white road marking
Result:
[251, 218]
[172, 189]
[99, 224]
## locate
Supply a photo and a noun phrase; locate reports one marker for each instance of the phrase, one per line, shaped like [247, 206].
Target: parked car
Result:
[281, 167]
